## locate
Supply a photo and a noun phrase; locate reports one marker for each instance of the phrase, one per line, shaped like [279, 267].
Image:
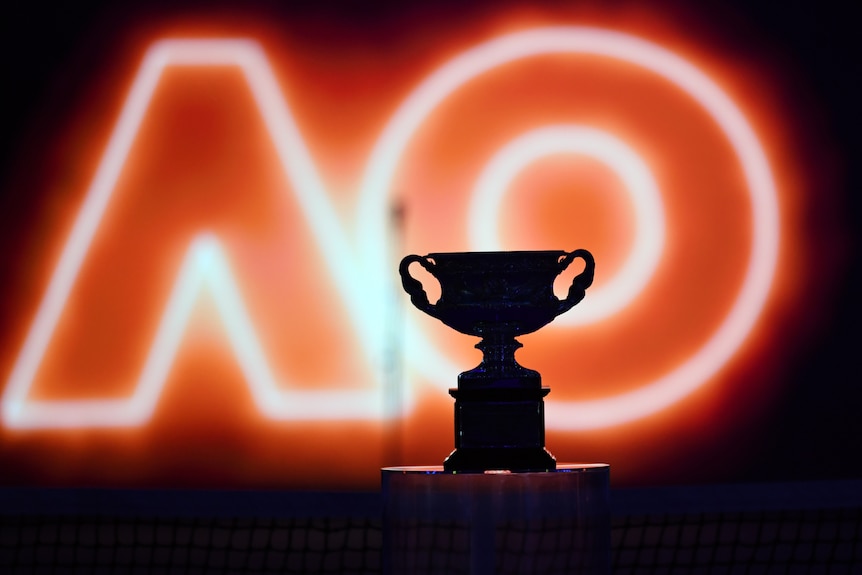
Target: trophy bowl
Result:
[497, 292]
[499, 408]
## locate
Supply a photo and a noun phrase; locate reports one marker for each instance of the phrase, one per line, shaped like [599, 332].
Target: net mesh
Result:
[787, 542]
[189, 545]
[782, 542]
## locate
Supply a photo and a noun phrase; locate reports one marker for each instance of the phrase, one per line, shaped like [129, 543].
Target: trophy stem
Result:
[498, 368]
[499, 350]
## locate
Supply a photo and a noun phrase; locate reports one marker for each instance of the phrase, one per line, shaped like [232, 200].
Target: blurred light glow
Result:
[650, 227]
[205, 267]
[651, 396]
[206, 264]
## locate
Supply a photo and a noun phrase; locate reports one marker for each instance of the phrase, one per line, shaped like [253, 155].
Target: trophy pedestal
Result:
[499, 504]
[500, 429]
[534, 523]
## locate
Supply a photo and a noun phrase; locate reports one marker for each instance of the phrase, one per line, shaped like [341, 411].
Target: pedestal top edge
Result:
[561, 468]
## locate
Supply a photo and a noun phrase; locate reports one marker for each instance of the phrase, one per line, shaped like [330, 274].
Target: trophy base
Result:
[499, 429]
[481, 460]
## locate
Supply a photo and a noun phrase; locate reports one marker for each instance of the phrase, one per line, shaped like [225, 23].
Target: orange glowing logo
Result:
[586, 145]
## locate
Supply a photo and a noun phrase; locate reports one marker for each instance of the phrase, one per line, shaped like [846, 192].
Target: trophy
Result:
[499, 405]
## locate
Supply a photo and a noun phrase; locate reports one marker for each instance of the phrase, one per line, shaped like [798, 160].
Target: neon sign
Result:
[207, 268]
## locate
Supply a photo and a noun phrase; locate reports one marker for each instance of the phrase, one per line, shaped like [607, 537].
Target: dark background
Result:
[52, 52]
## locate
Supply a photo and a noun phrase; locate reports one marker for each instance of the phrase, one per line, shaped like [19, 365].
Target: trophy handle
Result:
[413, 286]
[581, 281]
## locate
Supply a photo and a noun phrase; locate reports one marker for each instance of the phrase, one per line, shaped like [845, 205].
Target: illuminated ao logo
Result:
[206, 266]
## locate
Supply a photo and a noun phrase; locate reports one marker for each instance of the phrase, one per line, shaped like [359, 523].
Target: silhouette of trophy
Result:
[499, 405]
